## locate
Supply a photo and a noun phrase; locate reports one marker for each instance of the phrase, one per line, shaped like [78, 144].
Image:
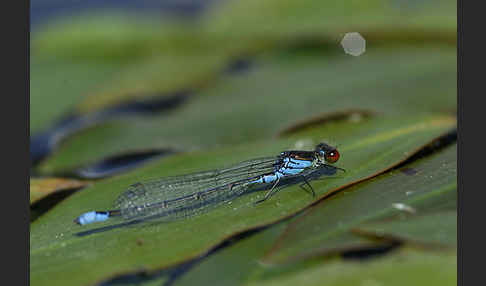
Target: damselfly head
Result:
[327, 153]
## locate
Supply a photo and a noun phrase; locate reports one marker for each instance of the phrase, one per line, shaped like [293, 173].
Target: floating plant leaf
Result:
[88, 254]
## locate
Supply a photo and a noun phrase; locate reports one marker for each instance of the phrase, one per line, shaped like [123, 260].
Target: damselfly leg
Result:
[270, 193]
[307, 183]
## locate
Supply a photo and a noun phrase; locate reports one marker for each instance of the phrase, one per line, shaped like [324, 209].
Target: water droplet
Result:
[353, 44]
[409, 193]
[404, 207]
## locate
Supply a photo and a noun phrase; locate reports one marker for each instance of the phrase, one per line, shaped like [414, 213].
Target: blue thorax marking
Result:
[292, 164]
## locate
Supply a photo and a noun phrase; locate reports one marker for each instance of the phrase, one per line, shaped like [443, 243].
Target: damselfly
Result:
[188, 194]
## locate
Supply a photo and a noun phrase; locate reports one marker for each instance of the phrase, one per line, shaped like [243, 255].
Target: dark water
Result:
[43, 11]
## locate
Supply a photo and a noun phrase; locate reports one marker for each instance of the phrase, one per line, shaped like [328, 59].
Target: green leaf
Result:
[155, 77]
[157, 56]
[59, 256]
[255, 22]
[239, 261]
[391, 195]
[403, 268]
[433, 223]
[299, 80]
[112, 37]
[59, 86]
[241, 264]
[256, 105]
[89, 49]
[433, 229]
[92, 61]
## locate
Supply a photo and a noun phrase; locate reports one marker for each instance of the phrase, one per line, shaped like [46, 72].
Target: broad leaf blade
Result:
[55, 247]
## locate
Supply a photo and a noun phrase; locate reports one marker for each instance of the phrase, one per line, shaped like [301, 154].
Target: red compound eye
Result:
[332, 156]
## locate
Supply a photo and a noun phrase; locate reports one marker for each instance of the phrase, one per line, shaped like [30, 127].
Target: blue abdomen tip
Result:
[91, 217]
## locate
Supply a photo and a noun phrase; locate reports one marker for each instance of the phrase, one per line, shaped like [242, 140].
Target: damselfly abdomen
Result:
[186, 195]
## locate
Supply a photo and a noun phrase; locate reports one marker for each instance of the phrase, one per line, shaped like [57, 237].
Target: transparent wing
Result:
[182, 195]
